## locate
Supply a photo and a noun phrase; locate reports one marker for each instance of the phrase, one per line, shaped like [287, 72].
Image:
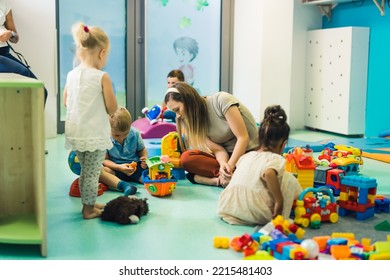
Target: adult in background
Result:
[216, 131]
[8, 33]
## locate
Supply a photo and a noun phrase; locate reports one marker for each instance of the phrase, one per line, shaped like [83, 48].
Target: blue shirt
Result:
[127, 153]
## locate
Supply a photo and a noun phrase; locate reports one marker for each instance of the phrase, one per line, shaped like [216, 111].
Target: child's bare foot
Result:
[90, 212]
[99, 206]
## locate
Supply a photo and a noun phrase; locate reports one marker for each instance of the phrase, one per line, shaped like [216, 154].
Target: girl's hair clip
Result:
[86, 29]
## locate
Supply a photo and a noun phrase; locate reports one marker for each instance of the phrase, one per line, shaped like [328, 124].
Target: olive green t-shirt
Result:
[219, 130]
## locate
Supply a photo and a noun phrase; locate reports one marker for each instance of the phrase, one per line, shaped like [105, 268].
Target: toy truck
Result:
[329, 177]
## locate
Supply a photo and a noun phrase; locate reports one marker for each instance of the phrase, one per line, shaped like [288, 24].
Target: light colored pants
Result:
[91, 163]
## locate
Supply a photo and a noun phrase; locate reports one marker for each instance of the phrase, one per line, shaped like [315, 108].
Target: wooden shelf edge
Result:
[20, 229]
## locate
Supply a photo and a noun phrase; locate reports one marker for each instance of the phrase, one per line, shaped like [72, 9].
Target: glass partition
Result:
[183, 35]
[111, 17]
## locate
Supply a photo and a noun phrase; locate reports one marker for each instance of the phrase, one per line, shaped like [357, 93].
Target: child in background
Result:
[89, 98]
[128, 147]
[173, 77]
[260, 189]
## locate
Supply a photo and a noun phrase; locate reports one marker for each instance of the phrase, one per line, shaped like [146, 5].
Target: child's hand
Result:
[127, 169]
[143, 162]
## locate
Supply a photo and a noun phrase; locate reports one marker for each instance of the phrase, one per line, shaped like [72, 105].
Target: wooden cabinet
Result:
[22, 162]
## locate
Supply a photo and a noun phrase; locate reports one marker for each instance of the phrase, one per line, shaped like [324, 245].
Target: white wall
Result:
[247, 58]
[305, 18]
[36, 25]
[269, 60]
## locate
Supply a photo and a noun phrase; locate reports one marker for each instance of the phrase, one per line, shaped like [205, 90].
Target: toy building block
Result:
[357, 195]
[234, 244]
[288, 228]
[382, 204]
[381, 251]
[260, 255]
[340, 252]
[321, 241]
[383, 226]
[337, 241]
[347, 235]
[245, 244]
[221, 242]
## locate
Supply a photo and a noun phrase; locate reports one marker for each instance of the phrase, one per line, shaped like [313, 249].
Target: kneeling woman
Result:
[216, 131]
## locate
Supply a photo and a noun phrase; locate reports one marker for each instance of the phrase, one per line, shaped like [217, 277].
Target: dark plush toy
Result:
[125, 210]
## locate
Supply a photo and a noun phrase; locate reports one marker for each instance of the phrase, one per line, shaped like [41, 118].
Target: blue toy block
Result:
[256, 236]
[359, 181]
[337, 241]
[370, 212]
[382, 205]
[344, 212]
[363, 196]
[279, 256]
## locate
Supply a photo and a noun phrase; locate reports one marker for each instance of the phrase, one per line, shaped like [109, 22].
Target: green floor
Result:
[180, 227]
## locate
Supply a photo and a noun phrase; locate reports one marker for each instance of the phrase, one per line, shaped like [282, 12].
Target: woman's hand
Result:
[223, 182]
[225, 170]
[225, 174]
[5, 36]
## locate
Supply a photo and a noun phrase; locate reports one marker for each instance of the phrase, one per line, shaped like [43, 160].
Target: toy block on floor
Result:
[357, 195]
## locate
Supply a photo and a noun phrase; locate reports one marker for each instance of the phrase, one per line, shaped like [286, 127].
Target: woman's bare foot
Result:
[91, 212]
[214, 181]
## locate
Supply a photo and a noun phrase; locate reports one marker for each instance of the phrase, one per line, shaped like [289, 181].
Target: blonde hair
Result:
[195, 124]
[89, 39]
[121, 120]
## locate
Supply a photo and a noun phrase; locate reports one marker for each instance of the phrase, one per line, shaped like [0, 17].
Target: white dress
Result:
[87, 127]
[246, 200]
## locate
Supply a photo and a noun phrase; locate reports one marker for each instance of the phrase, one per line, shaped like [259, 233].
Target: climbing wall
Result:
[336, 79]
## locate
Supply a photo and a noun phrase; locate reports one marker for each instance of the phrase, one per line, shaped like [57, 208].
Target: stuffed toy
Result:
[125, 210]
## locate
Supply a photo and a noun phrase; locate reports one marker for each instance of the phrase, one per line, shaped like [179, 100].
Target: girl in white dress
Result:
[89, 99]
[260, 188]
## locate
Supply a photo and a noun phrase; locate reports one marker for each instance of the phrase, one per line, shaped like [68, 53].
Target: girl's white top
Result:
[87, 126]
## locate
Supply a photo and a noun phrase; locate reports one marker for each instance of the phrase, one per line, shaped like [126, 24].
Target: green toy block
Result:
[383, 226]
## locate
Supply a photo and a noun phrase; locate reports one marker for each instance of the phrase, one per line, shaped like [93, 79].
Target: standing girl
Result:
[260, 189]
[89, 98]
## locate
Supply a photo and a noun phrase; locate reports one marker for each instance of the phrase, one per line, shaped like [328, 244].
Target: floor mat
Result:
[378, 154]
[292, 143]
